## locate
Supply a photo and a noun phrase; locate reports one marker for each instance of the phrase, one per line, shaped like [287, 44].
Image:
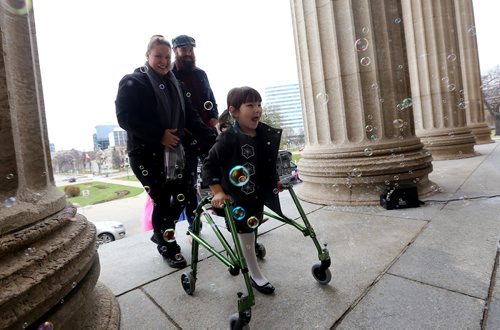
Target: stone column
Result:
[469, 60]
[436, 78]
[48, 260]
[357, 103]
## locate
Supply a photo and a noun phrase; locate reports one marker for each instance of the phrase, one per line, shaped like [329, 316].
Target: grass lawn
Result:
[100, 192]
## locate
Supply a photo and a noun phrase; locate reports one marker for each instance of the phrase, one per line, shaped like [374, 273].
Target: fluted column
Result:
[357, 103]
[472, 102]
[436, 78]
[49, 265]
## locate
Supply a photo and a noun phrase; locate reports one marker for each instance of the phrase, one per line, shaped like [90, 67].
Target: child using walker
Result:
[241, 168]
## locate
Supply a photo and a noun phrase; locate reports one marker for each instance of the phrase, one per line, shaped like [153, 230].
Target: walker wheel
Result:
[236, 323]
[260, 250]
[323, 276]
[188, 282]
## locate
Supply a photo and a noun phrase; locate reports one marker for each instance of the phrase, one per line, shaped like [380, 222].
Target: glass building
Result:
[284, 99]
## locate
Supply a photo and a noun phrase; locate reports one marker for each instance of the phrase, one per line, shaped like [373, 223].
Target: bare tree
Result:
[491, 95]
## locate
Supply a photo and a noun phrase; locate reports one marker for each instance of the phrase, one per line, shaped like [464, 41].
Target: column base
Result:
[449, 144]
[481, 132]
[353, 178]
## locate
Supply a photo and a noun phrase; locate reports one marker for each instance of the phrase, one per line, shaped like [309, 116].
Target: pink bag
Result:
[148, 213]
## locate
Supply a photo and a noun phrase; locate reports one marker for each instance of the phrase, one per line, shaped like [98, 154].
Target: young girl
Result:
[245, 142]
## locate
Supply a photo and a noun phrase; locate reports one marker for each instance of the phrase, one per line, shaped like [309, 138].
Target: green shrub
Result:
[72, 191]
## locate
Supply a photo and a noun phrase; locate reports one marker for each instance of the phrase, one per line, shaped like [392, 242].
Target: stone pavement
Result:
[432, 267]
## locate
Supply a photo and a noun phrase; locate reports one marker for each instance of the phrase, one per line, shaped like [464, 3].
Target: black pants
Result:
[169, 198]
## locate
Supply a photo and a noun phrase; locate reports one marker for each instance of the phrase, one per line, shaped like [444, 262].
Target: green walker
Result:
[235, 260]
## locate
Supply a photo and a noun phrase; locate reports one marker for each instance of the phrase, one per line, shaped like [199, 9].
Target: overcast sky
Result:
[86, 47]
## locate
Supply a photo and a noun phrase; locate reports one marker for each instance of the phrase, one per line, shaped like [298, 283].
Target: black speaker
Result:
[400, 197]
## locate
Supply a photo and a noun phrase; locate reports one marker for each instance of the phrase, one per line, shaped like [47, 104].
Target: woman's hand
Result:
[219, 198]
[169, 138]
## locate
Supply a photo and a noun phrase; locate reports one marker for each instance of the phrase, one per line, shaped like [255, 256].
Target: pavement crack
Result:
[160, 308]
[486, 309]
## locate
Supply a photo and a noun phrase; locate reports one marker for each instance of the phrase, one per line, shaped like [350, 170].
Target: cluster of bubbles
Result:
[239, 176]
[362, 45]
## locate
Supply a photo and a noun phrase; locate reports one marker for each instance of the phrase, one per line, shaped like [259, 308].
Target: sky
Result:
[86, 47]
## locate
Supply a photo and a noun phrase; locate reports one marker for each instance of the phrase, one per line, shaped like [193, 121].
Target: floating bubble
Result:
[179, 176]
[355, 173]
[445, 79]
[374, 137]
[10, 176]
[399, 107]
[144, 69]
[147, 188]
[472, 31]
[169, 235]
[9, 202]
[365, 30]
[396, 177]
[25, 325]
[46, 326]
[368, 151]
[253, 222]
[239, 213]
[322, 98]
[30, 251]
[451, 57]
[407, 102]
[361, 44]
[181, 198]
[387, 182]
[208, 105]
[73, 285]
[375, 85]
[451, 87]
[145, 173]
[462, 105]
[239, 175]
[369, 128]
[397, 20]
[365, 61]
[276, 191]
[188, 94]
[161, 86]
[381, 100]
[398, 123]
[141, 167]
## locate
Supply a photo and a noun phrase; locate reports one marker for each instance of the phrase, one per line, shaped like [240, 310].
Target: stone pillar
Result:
[469, 60]
[357, 103]
[436, 78]
[49, 265]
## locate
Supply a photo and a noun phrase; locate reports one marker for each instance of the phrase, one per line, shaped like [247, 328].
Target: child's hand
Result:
[219, 198]
[279, 185]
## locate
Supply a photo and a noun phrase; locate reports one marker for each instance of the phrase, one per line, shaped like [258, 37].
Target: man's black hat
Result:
[183, 40]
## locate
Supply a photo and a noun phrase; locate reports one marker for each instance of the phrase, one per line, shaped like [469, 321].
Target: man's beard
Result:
[186, 63]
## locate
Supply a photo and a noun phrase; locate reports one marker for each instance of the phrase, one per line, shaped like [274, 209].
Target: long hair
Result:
[235, 98]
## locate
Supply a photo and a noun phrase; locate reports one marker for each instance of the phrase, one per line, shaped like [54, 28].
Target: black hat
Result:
[183, 40]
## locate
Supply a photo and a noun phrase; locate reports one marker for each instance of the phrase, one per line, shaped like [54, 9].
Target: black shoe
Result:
[267, 288]
[173, 257]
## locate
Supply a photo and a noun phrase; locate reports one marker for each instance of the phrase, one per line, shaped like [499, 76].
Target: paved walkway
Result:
[432, 267]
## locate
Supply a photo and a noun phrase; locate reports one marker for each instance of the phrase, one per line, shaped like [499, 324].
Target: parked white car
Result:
[109, 231]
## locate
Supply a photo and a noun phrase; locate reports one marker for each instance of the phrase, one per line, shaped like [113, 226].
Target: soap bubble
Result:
[322, 98]
[451, 87]
[239, 213]
[208, 105]
[398, 123]
[356, 173]
[46, 326]
[368, 151]
[397, 20]
[253, 222]
[169, 235]
[10, 176]
[145, 173]
[369, 128]
[365, 61]
[239, 175]
[451, 57]
[181, 198]
[361, 44]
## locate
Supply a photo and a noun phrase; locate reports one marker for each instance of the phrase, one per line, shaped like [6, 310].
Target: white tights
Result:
[247, 241]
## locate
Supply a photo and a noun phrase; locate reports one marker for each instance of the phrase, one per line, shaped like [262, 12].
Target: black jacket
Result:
[258, 154]
[136, 111]
[206, 90]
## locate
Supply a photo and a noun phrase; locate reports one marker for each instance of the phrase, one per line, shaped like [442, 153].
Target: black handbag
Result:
[400, 197]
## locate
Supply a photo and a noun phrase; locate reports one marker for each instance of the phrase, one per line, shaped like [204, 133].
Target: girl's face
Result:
[247, 116]
[160, 59]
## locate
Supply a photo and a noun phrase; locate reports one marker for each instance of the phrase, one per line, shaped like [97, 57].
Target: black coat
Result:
[259, 155]
[136, 111]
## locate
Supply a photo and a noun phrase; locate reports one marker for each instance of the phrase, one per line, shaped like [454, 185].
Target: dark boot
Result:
[171, 252]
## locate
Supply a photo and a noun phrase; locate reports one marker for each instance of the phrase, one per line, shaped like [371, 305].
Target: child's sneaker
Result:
[172, 255]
